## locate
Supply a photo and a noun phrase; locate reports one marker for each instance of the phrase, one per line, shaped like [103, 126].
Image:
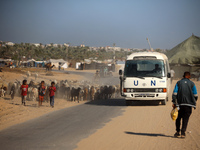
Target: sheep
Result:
[28, 74]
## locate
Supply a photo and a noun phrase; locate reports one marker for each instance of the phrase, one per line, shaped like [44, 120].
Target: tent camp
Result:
[57, 62]
[28, 63]
[187, 52]
[4, 62]
[185, 56]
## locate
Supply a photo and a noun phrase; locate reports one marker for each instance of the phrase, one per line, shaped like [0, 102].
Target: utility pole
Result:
[113, 66]
[151, 49]
[114, 52]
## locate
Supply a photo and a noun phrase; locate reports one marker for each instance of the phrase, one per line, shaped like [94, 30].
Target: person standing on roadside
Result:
[172, 74]
[24, 91]
[184, 97]
[52, 90]
[41, 93]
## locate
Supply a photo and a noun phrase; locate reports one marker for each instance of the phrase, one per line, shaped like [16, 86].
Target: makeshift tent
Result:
[4, 62]
[65, 65]
[39, 63]
[187, 52]
[56, 62]
[78, 65]
[28, 63]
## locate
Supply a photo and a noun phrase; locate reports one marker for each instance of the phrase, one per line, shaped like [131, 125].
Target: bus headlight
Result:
[128, 90]
[164, 90]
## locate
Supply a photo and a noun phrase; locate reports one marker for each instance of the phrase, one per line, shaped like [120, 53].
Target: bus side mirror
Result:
[169, 75]
[120, 72]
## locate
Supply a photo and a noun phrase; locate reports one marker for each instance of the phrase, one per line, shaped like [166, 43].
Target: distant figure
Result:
[81, 66]
[70, 64]
[157, 69]
[101, 72]
[12, 91]
[52, 90]
[184, 97]
[105, 71]
[97, 76]
[172, 74]
[24, 91]
[41, 93]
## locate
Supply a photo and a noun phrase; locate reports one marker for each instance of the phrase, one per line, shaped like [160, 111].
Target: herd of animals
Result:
[69, 90]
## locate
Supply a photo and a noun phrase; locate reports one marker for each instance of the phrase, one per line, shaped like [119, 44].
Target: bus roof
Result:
[154, 55]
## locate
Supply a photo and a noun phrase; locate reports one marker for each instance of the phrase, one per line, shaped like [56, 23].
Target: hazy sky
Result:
[100, 22]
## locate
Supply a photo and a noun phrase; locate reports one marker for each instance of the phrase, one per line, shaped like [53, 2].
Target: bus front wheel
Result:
[128, 103]
[163, 102]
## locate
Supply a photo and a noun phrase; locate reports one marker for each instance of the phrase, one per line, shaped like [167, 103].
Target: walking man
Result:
[184, 97]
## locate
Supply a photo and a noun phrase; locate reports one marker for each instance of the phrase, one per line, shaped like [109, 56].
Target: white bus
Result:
[146, 76]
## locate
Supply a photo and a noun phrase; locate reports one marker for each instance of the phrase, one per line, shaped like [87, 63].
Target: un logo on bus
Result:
[153, 83]
[135, 83]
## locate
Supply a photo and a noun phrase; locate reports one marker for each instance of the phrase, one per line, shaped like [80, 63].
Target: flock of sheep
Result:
[69, 90]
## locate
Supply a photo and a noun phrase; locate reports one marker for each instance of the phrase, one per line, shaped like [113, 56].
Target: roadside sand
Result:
[144, 127]
[12, 112]
[20, 74]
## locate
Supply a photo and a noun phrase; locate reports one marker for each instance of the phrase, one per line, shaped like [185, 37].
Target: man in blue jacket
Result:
[184, 97]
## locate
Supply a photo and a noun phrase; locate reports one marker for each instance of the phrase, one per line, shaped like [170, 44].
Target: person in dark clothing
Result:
[184, 97]
[157, 69]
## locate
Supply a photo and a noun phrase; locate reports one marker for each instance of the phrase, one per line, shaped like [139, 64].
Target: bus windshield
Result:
[144, 68]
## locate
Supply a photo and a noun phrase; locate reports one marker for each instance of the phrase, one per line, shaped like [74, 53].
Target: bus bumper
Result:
[145, 96]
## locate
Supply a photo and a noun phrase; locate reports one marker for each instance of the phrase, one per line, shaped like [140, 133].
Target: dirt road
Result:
[63, 129]
[144, 126]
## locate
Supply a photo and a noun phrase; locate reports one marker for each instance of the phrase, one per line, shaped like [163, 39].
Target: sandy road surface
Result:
[144, 126]
[12, 112]
[62, 129]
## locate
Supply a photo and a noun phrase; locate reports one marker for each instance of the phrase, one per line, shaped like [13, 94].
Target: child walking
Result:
[41, 93]
[52, 90]
[24, 91]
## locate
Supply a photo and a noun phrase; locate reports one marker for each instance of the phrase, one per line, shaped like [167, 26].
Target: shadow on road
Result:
[108, 102]
[148, 134]
[122, 102]
[145, 103]
[6, 98]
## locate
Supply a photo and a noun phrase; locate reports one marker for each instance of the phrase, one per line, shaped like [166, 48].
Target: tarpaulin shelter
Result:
[28, 63]
[65, 65]
[39, 63]
[187, 52]
[4, 62]
[185, 56]
[57, 62]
